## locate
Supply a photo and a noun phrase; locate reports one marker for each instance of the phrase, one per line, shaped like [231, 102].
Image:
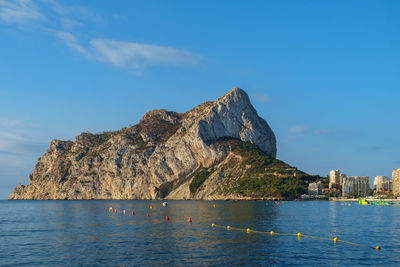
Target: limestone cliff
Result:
[160, 157]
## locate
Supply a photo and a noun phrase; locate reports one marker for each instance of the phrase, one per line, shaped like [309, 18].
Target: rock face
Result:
[157, 158]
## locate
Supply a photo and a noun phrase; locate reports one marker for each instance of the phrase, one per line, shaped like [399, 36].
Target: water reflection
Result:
[58, 233]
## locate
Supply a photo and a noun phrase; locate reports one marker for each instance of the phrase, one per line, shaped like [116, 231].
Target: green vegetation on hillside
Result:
[265, 176]
[199, 179]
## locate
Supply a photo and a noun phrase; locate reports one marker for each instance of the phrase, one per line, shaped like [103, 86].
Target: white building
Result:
[382, 184]
[334, 179]
[396, 182]
[334, 176]
[342, 176]
[315, 189]
[355, 186]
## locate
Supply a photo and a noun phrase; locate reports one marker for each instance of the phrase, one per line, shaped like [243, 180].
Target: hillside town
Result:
[340, 185]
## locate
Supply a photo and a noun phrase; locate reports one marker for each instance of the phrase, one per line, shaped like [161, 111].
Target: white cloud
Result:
[20, 146]
[71, 10]
[12, 133]
[57, 7]
[129, 55]
[298, 129]
[71, 41]
[19, 11]
[18, 142]
[136, 55]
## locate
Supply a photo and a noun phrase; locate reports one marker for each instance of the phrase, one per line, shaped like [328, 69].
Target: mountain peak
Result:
[151, 159]
[235, 94]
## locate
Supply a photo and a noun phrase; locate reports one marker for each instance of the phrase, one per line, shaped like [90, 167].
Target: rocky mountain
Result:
[220, 149]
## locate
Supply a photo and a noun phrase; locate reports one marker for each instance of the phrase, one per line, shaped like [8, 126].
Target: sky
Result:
[325, 75]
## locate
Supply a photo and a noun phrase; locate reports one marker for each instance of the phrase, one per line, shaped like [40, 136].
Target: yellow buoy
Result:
[299, 235]
[213, 225]
[248, 230]
[214, 205]
[378, 248]
[151, 207]
[335, 239]
[272, 232]
[228, 227]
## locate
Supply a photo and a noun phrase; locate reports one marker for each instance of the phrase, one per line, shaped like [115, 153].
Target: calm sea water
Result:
[83, 233]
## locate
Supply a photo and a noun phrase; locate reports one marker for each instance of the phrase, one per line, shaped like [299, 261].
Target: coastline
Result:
[368, 199]
[237, 199]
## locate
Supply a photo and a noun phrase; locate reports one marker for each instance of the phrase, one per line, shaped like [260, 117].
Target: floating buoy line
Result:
[299, 235]
[249, 231]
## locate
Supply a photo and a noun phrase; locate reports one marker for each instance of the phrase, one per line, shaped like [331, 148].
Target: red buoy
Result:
[133, 213]
[190, 220]
[148, 215]
[167, 218]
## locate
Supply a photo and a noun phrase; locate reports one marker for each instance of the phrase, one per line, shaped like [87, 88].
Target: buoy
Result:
[148, 215]
[214, 205]
[190, 220]
[167, 218]
[272, 232]
[299, 235]
[133, 213]
[165, 203]
[151, 207]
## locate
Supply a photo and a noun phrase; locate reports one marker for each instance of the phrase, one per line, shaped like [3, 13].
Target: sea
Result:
[88, 233]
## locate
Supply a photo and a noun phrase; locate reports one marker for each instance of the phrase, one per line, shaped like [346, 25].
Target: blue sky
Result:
[324, 74]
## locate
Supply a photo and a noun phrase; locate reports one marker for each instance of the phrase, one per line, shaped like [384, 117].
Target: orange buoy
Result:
[167, 218]
[190, 220]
